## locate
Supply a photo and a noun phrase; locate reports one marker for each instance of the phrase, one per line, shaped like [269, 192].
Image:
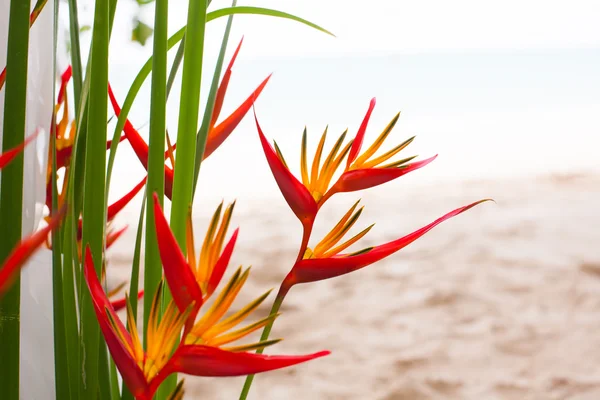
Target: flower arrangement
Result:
[188, 322]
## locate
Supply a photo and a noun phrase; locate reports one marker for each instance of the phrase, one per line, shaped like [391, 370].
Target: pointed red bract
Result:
[295, 193]
[360, 135]
[131, 373]
[112, 237]
[178, 274]
[316, 269]
[221, 264]
[9, 155]
[24, 250]
[118, 205]
[120, 304]
[211, 361]
[221, 132]
[64, 80]
[360, 179]
[220, 96]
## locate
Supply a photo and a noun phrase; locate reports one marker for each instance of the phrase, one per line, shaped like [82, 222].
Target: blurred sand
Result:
[502, 302]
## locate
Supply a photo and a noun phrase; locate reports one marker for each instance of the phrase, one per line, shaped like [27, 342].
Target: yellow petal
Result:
[384, 157]
[375, 146]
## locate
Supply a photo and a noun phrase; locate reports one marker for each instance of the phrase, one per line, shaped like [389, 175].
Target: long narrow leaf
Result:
[134, 281]
[11, 189]
[93, 207]
[210, 103]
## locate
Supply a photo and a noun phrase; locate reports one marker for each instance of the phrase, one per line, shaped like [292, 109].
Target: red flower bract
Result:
[316, 269]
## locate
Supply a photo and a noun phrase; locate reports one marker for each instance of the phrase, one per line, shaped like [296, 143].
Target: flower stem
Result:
[265, 335]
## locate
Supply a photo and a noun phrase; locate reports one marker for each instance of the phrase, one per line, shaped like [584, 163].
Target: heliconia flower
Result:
[325, 261]
[114, 208]
[25, 250]
[217, 134]
[365, 171]
[9, 155]
[298, 196]
[144, 370]
[65, 135]
[361, 172]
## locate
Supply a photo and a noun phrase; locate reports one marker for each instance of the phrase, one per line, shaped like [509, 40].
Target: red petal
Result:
[223, 87]
[360, 135]
[316, 269]
[131, 373]
[120, 304]
[221, 264]
[178, 274]
[211, 361]
[118, 205]
[25, 250]
[9, 155]
[2, 77]
[64, 80]
[360, 179]
[112, 237]
[221, 132]
[140, 147]
[297, 196]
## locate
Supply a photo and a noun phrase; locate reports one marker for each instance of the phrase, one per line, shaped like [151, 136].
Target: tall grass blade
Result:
[210, 103]
[11, 190]
[75, 54]
[156, 159]
[93, 201]
[134, 282]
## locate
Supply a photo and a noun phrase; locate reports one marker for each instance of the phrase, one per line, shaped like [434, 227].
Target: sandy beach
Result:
[502, 302]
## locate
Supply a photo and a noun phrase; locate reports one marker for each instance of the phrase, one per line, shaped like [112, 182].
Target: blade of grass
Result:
[61, 366]
[188, 118]
[263, 11]
[186, 132]
[175, 65]
[93, 201]
[156, 159]
[210, 103]
[75, 54]
[11, 190]
[134, 282]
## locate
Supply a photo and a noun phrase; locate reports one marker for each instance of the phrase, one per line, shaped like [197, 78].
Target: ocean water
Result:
[487, 114]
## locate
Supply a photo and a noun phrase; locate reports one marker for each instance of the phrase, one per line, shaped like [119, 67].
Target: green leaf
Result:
[210, 104]
[263, 11]
[11, 190]
[94, 194]
[134, 281]
[156, 158]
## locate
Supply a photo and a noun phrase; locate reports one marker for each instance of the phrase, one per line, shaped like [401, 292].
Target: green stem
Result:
[188, 119]
[265, 335]
[156, 162]
[134, 283]
[210, 103]
[75, 53]
[94, 194]
[11, 190]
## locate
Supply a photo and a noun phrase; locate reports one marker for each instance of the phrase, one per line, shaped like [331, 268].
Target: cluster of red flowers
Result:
[183, 339]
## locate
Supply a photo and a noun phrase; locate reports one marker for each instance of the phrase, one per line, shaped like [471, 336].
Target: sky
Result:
[382, 26]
